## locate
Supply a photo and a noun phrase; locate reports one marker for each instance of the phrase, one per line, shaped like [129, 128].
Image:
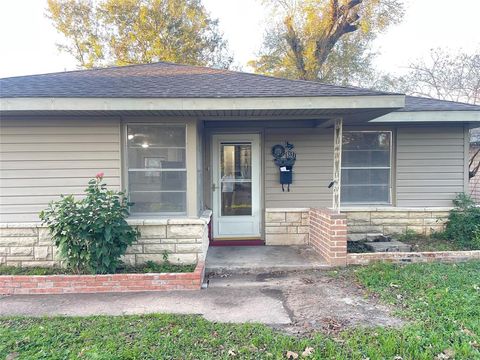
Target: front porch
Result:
[260, 259]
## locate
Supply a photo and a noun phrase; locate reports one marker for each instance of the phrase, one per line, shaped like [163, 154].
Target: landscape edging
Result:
[412, 257]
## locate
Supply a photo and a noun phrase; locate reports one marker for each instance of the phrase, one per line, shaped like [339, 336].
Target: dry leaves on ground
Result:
[308, 351]
[292, 355]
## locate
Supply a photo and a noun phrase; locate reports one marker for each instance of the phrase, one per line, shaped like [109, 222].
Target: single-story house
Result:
[213, 156]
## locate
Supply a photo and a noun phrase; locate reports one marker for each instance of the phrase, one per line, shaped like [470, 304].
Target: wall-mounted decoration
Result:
[284, 157]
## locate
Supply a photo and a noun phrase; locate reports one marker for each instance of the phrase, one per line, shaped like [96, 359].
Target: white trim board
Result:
[429, 117]
[191, 104]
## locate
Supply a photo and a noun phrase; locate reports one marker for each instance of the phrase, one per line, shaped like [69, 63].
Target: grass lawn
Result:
[442, 302]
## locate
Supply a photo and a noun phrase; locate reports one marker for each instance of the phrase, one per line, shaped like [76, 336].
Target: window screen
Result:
[157, 175]
[366, 167]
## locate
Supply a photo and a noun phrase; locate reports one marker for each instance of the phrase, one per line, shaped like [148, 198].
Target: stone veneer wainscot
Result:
[286, 226]
[393, 220]
[185, 239]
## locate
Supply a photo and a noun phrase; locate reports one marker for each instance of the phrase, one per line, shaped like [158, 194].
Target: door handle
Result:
[214, 187]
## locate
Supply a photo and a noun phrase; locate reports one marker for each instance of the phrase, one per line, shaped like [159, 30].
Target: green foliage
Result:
[149, 267]
[76, 21]
[408, 235]
[325, 40]
[476, 238]
[464, 223]
[16, 270]
[92, 233]
[125, 32]
[153, 267]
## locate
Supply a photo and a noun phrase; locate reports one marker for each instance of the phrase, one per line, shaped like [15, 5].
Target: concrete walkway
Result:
[257, 259]
[223, 304]
[297, 302]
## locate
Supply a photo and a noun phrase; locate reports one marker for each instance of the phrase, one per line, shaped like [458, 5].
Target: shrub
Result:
[92, 233]
[476, 239]
[463, 225]
[409, 235]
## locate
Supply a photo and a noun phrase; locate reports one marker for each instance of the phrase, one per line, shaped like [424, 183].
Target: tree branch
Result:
[343, 21]
[295, 44]
[474, 171]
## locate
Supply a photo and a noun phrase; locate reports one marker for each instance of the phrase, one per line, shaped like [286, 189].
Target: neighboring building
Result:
[185, 139]
[474, 147]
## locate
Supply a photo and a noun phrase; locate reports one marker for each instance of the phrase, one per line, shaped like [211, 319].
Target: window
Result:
[366, 167]
[157, 174]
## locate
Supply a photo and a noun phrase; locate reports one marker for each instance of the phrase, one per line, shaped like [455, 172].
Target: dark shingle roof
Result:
[415, 103]
[166, 80]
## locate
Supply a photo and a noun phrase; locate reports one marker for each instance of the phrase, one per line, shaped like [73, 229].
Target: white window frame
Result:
[127, 169]
[390, 192]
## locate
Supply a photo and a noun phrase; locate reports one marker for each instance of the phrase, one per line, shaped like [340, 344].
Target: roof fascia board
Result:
[191, 104]
[429, 117]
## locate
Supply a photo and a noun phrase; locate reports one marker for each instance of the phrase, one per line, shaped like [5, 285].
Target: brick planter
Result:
[77, 284]
[328, 235]
[412, 257]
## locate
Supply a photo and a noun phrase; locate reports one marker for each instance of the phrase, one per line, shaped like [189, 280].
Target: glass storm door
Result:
[236, 186]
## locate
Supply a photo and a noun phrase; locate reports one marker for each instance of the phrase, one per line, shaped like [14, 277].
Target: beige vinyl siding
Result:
[430, 167]
[43, 158]
[312, 172]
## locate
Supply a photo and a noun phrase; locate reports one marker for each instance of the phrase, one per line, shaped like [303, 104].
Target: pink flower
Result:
[99, 175]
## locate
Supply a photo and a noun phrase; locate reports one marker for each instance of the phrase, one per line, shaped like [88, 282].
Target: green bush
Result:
[92, 233]
[463, 225]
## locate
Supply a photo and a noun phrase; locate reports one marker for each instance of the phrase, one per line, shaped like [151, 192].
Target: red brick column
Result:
[328, 235]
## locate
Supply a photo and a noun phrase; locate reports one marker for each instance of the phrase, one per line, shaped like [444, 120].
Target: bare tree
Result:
[446, 76]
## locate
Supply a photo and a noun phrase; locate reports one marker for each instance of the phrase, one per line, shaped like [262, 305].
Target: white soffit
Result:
[192, 104]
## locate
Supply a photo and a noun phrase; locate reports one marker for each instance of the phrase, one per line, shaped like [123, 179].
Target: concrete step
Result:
[256, 269]
[261, 259]
[389, 246]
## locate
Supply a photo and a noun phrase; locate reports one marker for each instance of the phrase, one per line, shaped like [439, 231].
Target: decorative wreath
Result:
[278, 151]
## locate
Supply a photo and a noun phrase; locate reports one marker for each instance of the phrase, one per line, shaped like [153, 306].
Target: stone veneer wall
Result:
[394, 221]
[186, 241]
[286, 226]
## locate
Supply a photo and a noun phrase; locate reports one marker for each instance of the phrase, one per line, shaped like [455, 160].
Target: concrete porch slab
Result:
[257, 259]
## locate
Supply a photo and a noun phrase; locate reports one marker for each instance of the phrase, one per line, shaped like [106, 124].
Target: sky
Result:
[27, 38]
